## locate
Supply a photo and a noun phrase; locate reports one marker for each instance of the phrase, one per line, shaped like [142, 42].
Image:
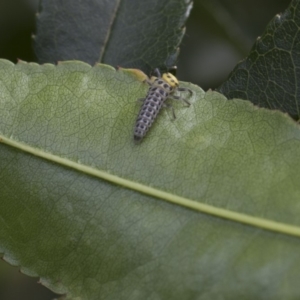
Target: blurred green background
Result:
[219, 34]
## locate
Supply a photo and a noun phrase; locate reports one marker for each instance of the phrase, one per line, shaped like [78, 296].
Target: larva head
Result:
[170, 79]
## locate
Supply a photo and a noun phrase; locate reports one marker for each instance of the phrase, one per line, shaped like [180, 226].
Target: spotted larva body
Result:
[161, 88]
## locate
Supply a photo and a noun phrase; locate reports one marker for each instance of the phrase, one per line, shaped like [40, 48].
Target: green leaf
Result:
[269, 76]
[67, 31]
[125, 33]
[205, 207]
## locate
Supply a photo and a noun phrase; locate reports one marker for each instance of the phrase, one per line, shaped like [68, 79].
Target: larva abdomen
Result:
[160, 89]
[148, 112]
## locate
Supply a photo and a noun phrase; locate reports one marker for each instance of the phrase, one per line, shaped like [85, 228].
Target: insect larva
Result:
[161, 88]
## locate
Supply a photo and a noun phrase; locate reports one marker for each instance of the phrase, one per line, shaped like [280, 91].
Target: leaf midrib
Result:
[150, 191]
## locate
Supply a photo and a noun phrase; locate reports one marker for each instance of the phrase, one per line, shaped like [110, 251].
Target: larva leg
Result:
[179, 98]
[157, 73]
[170, 106]
[182, 89]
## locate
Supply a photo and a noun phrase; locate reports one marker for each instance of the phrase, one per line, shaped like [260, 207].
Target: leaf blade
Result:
[166, 196]
[121, 33]
[268, 76]
[93, 239]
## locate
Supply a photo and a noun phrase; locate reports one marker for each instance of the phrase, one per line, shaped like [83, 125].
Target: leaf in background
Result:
[268, 76]
[125, 33]
[73, 29]
[88, 210]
